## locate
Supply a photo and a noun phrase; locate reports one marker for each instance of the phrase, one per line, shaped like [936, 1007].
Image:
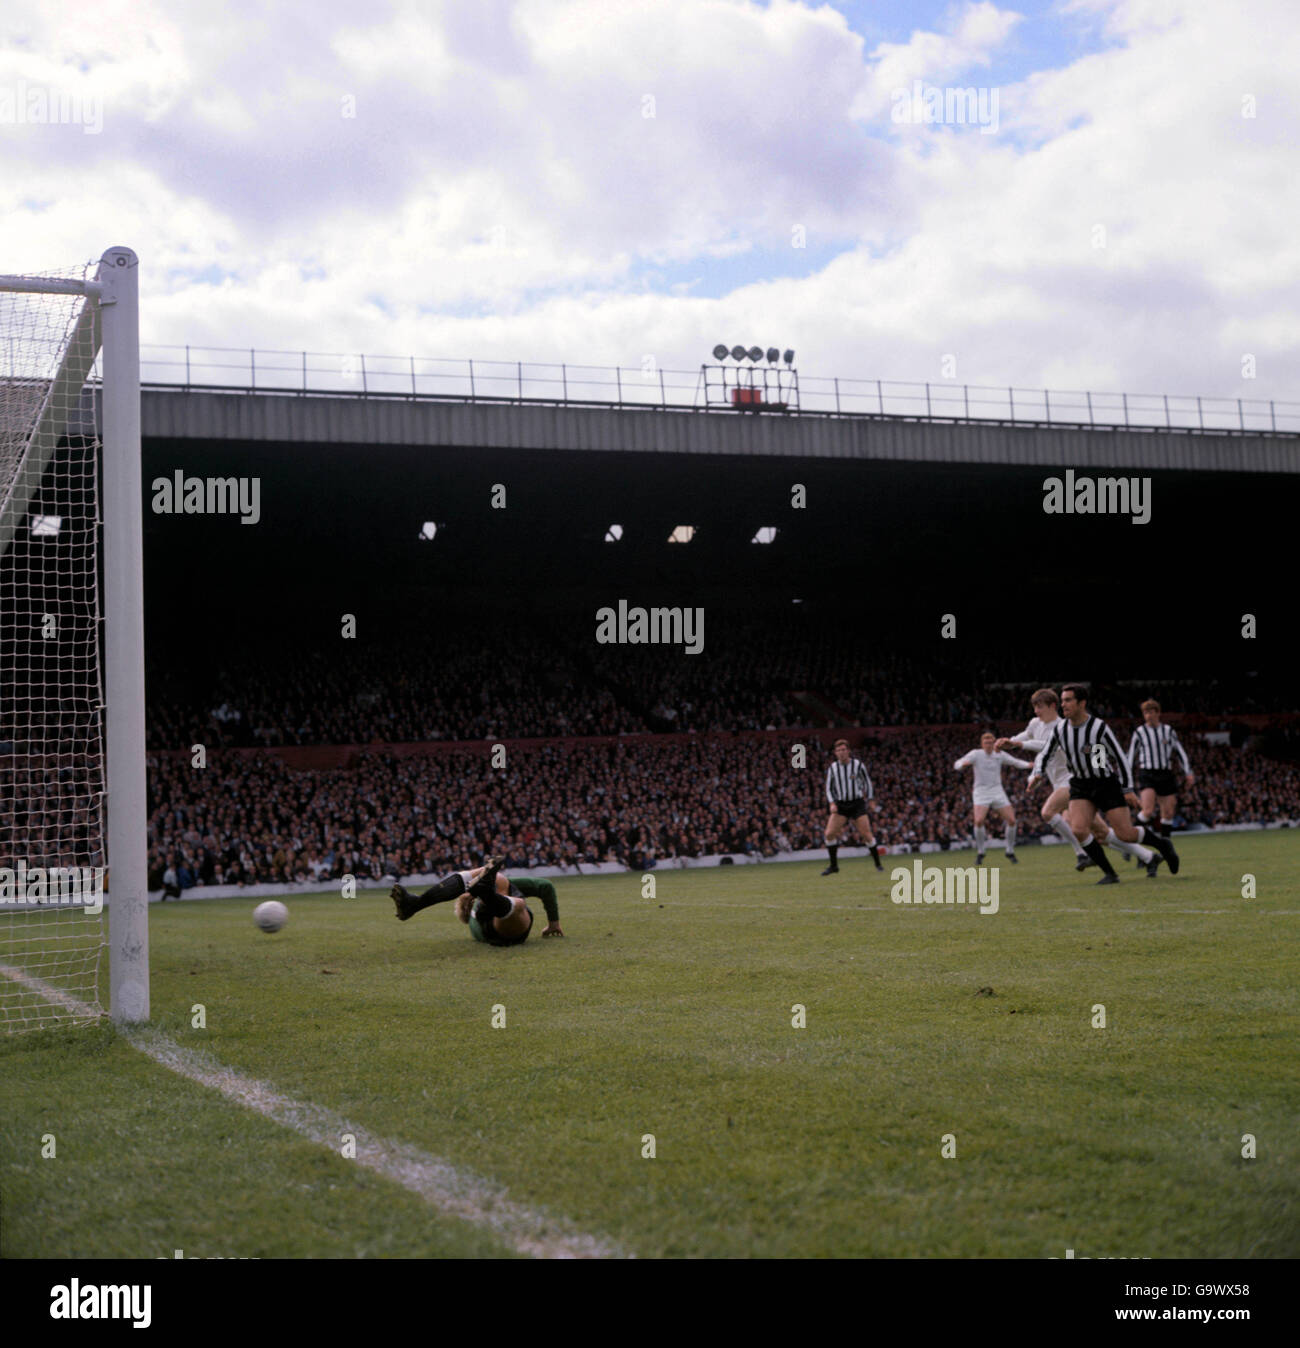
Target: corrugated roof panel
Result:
[176, 414]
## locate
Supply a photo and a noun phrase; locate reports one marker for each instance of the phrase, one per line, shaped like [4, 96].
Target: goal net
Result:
[54, 752]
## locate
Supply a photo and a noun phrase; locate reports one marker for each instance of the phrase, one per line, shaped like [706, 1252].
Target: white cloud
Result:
[937, 58]
[501, 192]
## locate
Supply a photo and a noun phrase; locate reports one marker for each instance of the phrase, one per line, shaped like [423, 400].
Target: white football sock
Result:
[1011, 837]
[1143, 854]
[981, 833]
[1058, 822]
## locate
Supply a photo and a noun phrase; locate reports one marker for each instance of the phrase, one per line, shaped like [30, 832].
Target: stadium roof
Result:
[392, 419]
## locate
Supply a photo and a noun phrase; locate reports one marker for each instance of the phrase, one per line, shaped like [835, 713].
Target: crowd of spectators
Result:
[531, 679]
[250, 818]
[465, 688]
[51, 810]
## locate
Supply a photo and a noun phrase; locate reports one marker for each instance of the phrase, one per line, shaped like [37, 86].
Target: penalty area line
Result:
[451, 1189]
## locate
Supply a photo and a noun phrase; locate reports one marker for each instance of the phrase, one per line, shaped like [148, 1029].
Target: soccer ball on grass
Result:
[271, 915]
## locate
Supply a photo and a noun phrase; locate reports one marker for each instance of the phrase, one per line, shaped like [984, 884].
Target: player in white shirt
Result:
[1035, 737]
[987, 761]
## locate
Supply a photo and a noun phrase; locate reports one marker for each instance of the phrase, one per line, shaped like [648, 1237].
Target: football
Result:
[271, 915]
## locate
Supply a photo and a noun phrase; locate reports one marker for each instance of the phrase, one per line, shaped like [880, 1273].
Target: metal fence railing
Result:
[649, 385]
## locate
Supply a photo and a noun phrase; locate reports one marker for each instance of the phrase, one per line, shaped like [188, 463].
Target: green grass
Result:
[672, 1016]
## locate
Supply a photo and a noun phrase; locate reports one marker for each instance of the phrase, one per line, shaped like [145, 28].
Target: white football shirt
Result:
[988, 767]
[1035, 737]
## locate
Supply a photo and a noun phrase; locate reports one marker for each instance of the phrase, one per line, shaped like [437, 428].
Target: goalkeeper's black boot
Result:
[486, 884]
[831, 870]
[402, 902]
[1083, 863]
[1111, 879]
[485, 893]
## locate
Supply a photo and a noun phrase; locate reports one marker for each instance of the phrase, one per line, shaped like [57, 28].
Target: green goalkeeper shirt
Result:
[539, 889]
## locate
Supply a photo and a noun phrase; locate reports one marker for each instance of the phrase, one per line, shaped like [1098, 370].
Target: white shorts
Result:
[1059, 775]
[991, 795]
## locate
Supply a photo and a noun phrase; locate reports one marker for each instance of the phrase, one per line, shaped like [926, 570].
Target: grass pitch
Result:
[672, 1016]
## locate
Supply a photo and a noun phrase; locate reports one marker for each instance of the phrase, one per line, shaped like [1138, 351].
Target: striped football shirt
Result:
[847, 781]
[1091, 751]
[1153, 747]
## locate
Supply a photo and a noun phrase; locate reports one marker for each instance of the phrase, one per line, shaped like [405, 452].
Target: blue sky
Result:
[1048, 36]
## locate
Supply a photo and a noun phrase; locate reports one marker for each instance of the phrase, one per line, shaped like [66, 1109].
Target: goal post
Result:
[119, 312]
[72, 741]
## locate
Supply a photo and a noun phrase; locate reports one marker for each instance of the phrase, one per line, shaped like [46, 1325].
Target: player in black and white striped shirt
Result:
[1100, 781]
[1151, 759]
[1035, 736]
[848, 788]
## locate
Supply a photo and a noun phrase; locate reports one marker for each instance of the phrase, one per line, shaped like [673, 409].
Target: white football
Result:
[271, 915]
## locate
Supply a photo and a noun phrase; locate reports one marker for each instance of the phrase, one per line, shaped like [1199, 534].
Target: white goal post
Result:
[72, 731]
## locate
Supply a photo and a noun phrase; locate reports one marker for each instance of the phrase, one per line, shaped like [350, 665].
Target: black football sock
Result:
[875, 852]
[833, 849]
[1166, 827]
[449, 887]
[1095, 850]
[496, 905]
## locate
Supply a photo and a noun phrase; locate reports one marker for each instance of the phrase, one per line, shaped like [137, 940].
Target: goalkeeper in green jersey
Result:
[491, 905]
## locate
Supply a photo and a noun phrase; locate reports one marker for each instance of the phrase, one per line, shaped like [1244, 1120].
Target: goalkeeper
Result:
[491, 905]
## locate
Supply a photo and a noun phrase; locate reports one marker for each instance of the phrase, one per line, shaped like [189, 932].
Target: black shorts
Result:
[1104, 792]
[1160, 780]
[851, 809]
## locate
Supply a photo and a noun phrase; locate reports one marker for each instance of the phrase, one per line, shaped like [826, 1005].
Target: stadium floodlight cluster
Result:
[748, 386]
[754, 353]
[72, 772]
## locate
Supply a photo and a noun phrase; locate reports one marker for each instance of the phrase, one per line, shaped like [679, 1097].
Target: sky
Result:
[630, 182]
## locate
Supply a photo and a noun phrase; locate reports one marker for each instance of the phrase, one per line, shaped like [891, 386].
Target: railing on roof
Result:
[649, 385]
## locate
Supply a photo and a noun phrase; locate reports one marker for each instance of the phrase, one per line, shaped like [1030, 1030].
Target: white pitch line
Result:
[449, 1188]
[72, 1005]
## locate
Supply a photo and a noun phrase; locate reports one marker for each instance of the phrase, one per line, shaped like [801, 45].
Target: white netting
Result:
[51, 700]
